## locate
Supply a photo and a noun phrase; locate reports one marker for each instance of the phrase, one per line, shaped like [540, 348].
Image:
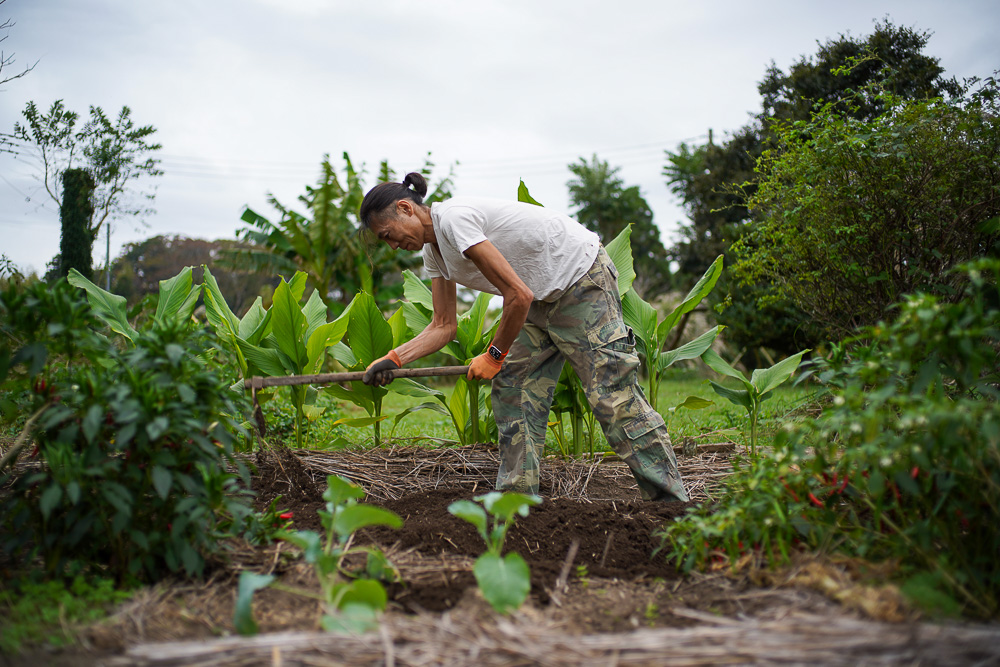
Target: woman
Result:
[560, 302]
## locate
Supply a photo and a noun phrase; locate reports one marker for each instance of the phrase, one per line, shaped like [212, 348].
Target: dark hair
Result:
[385, 195]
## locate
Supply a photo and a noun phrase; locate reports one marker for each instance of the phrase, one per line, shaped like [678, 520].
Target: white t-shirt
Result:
[548, 250]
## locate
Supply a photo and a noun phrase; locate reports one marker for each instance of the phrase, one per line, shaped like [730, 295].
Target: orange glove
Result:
[486, 365]
[380, 371]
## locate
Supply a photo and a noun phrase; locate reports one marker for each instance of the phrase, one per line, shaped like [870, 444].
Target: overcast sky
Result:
[248, 96]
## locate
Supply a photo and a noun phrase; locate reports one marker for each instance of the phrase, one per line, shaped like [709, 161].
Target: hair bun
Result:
[418, 182]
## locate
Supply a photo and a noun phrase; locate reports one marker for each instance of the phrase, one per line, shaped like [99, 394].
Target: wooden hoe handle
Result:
[257, 382]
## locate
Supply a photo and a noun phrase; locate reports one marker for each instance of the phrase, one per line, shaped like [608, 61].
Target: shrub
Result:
[903, 464]
[853, 213]
[134, 444]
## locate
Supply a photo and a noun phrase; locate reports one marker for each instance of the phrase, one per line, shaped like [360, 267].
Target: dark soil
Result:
[614, 537]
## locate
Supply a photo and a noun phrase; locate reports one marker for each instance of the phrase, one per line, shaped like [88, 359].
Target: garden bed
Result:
[604, 601]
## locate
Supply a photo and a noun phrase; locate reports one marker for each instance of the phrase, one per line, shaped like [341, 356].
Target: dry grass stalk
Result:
[530, 640]
[388, 474]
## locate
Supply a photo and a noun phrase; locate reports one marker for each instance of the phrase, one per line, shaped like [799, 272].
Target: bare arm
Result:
[443, 326]
[517, 297]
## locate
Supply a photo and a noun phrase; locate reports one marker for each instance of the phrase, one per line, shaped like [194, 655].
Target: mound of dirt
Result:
[614, 534]
[615, 541]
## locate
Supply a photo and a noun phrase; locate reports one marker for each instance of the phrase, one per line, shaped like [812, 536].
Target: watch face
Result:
[495, 352]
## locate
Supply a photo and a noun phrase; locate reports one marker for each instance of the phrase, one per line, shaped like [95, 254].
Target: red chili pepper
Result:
[815, 501]
[795, 496]
[286, 515]
[914, 472]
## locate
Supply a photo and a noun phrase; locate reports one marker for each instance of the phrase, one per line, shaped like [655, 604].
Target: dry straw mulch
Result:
[527, 639]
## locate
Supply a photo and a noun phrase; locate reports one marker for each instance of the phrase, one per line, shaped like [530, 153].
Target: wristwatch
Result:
[495, 352]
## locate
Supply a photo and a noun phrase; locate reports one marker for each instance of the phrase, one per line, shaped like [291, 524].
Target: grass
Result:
[721, 420]
[46, 613]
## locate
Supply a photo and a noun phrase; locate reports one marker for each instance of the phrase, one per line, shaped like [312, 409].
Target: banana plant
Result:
[177, 299]
[756, 390]
[370, 336]
[287, 339]
[652, 336]
[467, 405]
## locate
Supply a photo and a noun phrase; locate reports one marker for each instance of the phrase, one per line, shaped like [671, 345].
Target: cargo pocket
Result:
[640, 426]
[613, 333]
[612, 356]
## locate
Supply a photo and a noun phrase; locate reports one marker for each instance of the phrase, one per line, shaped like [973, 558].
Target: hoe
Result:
[256, 383]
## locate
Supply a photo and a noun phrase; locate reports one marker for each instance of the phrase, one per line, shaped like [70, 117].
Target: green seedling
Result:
[756, 390]
[351, 600]
[505, 581]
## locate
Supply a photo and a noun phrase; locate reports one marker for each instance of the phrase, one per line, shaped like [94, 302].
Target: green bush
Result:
[903, 464]
[134, 444]
[850, 214]
[47, 612]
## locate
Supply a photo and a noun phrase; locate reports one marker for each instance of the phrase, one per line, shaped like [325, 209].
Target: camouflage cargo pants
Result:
[584, 327]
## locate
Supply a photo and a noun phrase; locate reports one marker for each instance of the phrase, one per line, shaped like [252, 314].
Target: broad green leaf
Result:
[351, 619]
[767, 379]
[524, 196]
[349, 519]
[250, 583]
[620, 252]
[408, 387]
[49, 499]
[288, 326]
[178, 298]
[350, 396]
[718, 364]
[265, 360]
[340, 489]
[343, 354]
[458, 403]
[297, 285]
[111, 308]
[504, 582]
[309, 541]
[219, 314]
[324, 336]
[370, 336]
[471, 325]
[471, 512]
[162, 480]
[400, 330]
[416, 291]
[256, 324]
[311, 412]
[641, 318]
[695, 403]
[690, 350]
[359, 422]
[437, 407]
[314, 312]
[365, 592]
[701, 289]
[738, 396]
[508, 504]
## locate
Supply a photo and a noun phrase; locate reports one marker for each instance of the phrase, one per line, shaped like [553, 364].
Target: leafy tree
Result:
[711, 181]
[324, 242]
[604, 205]
[117, 153]
[76, 243]
[851, 213]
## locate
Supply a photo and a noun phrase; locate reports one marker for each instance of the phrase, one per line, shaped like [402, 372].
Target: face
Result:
[402, 230]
